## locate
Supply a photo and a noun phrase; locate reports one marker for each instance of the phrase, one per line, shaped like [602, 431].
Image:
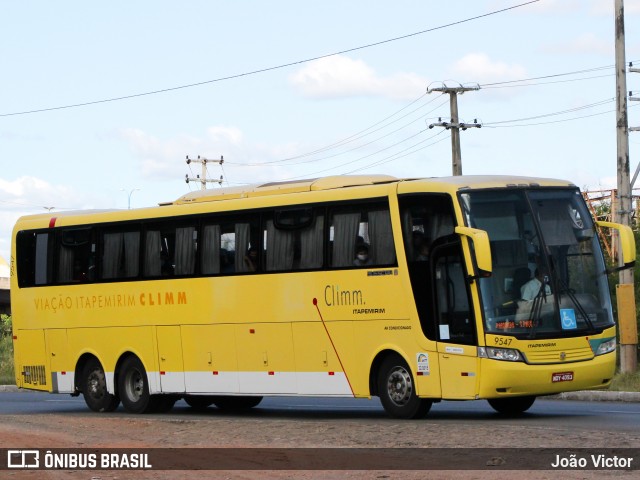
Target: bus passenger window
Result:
[76, 256]
[279, 247]
[363, 229]
[311, 245]
[34, 258]
[293, 240]
[185, 250]
[246, 248]
[211, 251]
[120, 254]
[153, 254]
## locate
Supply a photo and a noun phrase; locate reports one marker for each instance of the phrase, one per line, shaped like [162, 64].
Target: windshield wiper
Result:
[536, 309]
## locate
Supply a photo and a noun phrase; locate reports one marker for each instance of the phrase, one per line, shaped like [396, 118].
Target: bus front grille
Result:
[560, 356]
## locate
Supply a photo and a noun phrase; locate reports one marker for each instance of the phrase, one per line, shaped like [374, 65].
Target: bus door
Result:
[455, 323]
[170, 359]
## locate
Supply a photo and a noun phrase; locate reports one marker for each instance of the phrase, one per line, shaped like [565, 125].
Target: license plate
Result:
[562, 377]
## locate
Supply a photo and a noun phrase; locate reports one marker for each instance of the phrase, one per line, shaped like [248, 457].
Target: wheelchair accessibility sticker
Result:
[568, 318]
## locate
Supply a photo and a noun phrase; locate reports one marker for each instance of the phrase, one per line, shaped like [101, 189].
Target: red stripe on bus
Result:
[52, 222]
[315, 303]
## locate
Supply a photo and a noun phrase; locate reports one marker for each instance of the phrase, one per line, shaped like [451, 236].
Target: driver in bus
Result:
[530, 290]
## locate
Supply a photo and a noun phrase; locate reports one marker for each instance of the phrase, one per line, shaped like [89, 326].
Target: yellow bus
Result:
[412, 290]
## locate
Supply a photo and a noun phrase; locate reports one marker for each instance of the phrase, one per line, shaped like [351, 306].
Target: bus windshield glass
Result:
[549, 277]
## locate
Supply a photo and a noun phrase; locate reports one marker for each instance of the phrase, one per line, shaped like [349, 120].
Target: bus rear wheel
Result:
[236, 404]
[513, 405]
[397, 390]
[133, 387]
[94, 388]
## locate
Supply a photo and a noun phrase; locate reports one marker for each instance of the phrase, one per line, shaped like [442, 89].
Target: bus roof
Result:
[343, 181]
[276, 188]
[449, 185]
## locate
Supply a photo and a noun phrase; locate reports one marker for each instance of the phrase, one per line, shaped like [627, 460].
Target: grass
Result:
[7, 376]
[626, 382]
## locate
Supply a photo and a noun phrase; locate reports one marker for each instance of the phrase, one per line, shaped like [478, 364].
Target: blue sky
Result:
[363, 111]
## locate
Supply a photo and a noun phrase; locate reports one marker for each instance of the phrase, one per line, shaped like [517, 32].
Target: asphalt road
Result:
[621, 416]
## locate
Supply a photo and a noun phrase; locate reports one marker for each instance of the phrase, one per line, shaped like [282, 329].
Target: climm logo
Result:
[333, 296]
[150, 299]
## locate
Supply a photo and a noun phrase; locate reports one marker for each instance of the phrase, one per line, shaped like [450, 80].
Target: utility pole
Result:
[625, 289]
[634, 129]
[454, 125]
[203, 179]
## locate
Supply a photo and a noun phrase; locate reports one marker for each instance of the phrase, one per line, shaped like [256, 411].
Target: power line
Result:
[553, 75]
[279, 163]
[397, 156]
[550, 83]
[373, 153]
[553, 121]
[268, 69]
[562, 112]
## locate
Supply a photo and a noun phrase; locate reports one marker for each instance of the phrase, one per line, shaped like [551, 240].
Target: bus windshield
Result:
[549, 277]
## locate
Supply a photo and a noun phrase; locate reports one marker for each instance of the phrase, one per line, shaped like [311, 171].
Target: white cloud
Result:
[587, 43]
[36, 193]
[164, 159]
[340, 76]
[479, 68]
[605, 7]
[27, 196]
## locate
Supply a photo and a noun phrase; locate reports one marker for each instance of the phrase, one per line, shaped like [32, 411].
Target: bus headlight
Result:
[506, 354]
[606, 347]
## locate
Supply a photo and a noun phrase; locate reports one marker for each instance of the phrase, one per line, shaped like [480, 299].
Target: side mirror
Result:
[627, 242]
[481, 246]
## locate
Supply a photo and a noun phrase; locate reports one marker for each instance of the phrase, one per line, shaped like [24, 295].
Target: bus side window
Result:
[76, 256]
[362, 237]
[34, 258]
[312, 244]
[279, 247]
[247, 253]
[381, 246]
[186, 241]
[293, 240]
[345, 226]
[120, 254]
[211, 252]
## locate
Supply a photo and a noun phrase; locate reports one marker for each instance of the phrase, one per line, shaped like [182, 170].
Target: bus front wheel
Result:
[397, 390]
[94, 388]
[133, 386]
[513, 405]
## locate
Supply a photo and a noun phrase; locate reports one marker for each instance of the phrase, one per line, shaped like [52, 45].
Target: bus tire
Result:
[199, 402]
[133, 386]
[397, 391]
[512, 405]
[94, 388]
[236, 404]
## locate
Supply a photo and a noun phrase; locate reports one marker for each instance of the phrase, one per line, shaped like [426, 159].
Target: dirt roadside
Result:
[214, 429]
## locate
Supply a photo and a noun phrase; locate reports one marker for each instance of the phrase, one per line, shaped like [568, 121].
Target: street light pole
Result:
[130, 193]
